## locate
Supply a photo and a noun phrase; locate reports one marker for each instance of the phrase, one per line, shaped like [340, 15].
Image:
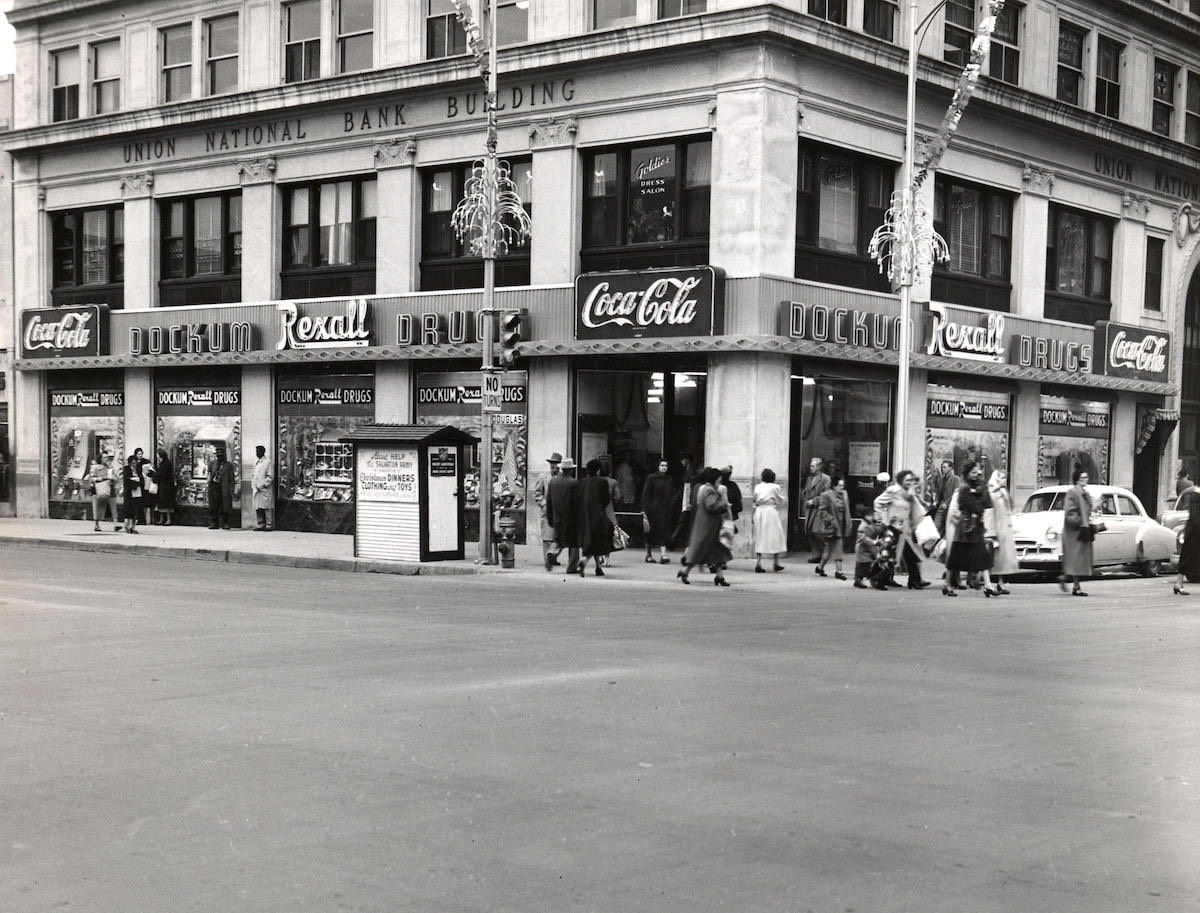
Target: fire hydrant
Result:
[506, 547]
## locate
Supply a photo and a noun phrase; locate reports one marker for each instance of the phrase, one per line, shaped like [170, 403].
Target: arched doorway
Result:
[1189, 392]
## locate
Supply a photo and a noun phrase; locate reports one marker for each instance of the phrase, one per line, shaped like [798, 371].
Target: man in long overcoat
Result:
[562, 512]
[220, 491]
[263, 485]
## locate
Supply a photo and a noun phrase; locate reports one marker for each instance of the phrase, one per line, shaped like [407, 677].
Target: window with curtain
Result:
[1163, 111]
[302, 40]
[879, 18]
[959, 31]
[1108, 77]
[64, 100]
[1191, 118]
[89, 247]
[1071, 39]
[327, 222]
[106, 76]
[1079, 257]
[1004, 58]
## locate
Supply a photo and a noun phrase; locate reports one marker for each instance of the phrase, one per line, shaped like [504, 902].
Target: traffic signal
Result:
[510, 336]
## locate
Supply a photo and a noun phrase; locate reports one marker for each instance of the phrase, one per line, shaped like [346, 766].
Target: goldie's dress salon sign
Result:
[1136, 352]
[388, 475]
[641, 304]
[66, 331]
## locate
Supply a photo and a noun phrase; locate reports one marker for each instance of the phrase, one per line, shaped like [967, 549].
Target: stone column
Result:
[396, 226]
[753, 229]
[555, 241]
[1128, 285]
[262, 231]
[747, 424]
[28, 444]
[1031, 217]
[141, 260]
[393, 391]
[550, 428]
[1023, 470]
[139, 412]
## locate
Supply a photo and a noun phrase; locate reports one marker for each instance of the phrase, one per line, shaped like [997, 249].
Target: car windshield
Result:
[1044, 500]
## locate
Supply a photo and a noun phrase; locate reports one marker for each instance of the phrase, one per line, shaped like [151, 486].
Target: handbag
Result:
[151, 487]
[620, 539]
[645, 524]
[103, 488]
[926, 532]
[726, 534]
[1098, 528]
[1087, 533]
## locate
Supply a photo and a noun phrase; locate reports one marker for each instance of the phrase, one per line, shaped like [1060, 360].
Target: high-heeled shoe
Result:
[599, 571]
[1002, 591]
[651, 560]
[1062, 583]
[1179, 591]
[990, 591]
[777, 568]
[682, 575]
[947, 591]
[1078, 592]
[839, 576]
[582, 570]
[758, 569]
[720, 581]
[820, 571]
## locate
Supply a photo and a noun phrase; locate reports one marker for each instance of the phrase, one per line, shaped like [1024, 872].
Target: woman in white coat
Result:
[1004, 559]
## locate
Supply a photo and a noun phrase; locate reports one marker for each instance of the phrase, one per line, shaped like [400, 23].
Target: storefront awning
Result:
[1157, 425]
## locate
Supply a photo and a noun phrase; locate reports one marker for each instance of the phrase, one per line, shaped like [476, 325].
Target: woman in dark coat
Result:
[1189, 549]
[704, 543]
[164, 501]
[134, 484]
[658, 504]
[1076, 549]
[595, 527]
[968, 532]
[833, 524]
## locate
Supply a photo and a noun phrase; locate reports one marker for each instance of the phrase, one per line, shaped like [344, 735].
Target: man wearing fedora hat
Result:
[540, 493]
[562, 512]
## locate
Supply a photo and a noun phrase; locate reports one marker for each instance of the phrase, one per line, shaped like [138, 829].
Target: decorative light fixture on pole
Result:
[489, 218]
[906, 245]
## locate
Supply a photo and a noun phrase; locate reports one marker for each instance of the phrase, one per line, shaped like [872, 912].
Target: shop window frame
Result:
[67, 285]
[819, 263]
[990, 285]
[691, 231]
[188, 285]
[1093, 303]
[446, 261]
[308, 278]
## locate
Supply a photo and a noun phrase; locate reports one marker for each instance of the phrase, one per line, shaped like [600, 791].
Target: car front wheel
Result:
[1149, 568]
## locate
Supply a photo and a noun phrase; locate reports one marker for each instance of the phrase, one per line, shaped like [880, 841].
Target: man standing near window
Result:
[220, 491]
[264, 497]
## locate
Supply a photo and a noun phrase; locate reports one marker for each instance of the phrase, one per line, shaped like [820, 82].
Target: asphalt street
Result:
[192, 736]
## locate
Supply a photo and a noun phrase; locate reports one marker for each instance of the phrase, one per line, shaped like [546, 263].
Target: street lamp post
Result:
[489, 218]
[906, 245]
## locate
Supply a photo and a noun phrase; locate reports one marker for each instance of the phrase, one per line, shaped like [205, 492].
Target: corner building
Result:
[236, 229]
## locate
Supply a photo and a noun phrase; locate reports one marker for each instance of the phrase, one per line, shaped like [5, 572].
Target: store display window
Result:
[192, 423]
[966, 426]
[454, 398]
[314, 470]
[1072, 434]
[84, 425]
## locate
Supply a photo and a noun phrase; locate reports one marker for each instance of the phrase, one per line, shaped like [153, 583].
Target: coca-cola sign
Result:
[1129, 351]
[65, 331]
[641, 304]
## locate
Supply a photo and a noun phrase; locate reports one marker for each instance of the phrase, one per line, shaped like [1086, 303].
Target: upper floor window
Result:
[977, 226]
[65, 94]
[176, 63]
[842, 198]
[89, 246]
[447, 261]
[302, 40]
[1004, 58]
[1163, 113]
[960, 31]
[652, 194]
[607, 14]
[444, 36]
[106, 76]
[879, 18]
[669, 9]
[201, 236]
[1154, 274]
[1079, 253]
[355, 35]
[1191, 119]
[221, 55]
[512, 21]
[330, 224]
[1108, 77]
[830, 10]
[1071, 39]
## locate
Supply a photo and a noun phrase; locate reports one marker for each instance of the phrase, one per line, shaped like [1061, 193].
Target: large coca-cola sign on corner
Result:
[647, 304]
[1129, 351]
[64, 332]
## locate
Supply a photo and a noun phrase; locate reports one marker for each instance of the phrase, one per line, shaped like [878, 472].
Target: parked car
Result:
[1132, 537]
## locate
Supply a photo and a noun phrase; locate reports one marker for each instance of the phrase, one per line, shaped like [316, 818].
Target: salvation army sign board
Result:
[650, 304]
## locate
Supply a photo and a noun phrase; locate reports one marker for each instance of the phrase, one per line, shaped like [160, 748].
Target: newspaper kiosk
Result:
[408, 491]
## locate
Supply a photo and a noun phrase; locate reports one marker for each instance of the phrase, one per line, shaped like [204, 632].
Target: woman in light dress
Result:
[769, 539]
[1004, 559]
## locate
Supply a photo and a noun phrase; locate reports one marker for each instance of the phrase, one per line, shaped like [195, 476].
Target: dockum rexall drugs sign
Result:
[648, 304]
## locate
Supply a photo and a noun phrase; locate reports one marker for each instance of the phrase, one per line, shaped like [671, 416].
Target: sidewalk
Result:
[336, 553]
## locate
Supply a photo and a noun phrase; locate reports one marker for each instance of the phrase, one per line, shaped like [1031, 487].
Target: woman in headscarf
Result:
[968, 533]
[1077, 534]
[658, 504]
[705, 545]
[1004, 555]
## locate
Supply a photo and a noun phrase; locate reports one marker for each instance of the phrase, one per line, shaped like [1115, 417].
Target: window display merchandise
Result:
[84, 425]
[192, 424]
[967, 426]
[1072, 434]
